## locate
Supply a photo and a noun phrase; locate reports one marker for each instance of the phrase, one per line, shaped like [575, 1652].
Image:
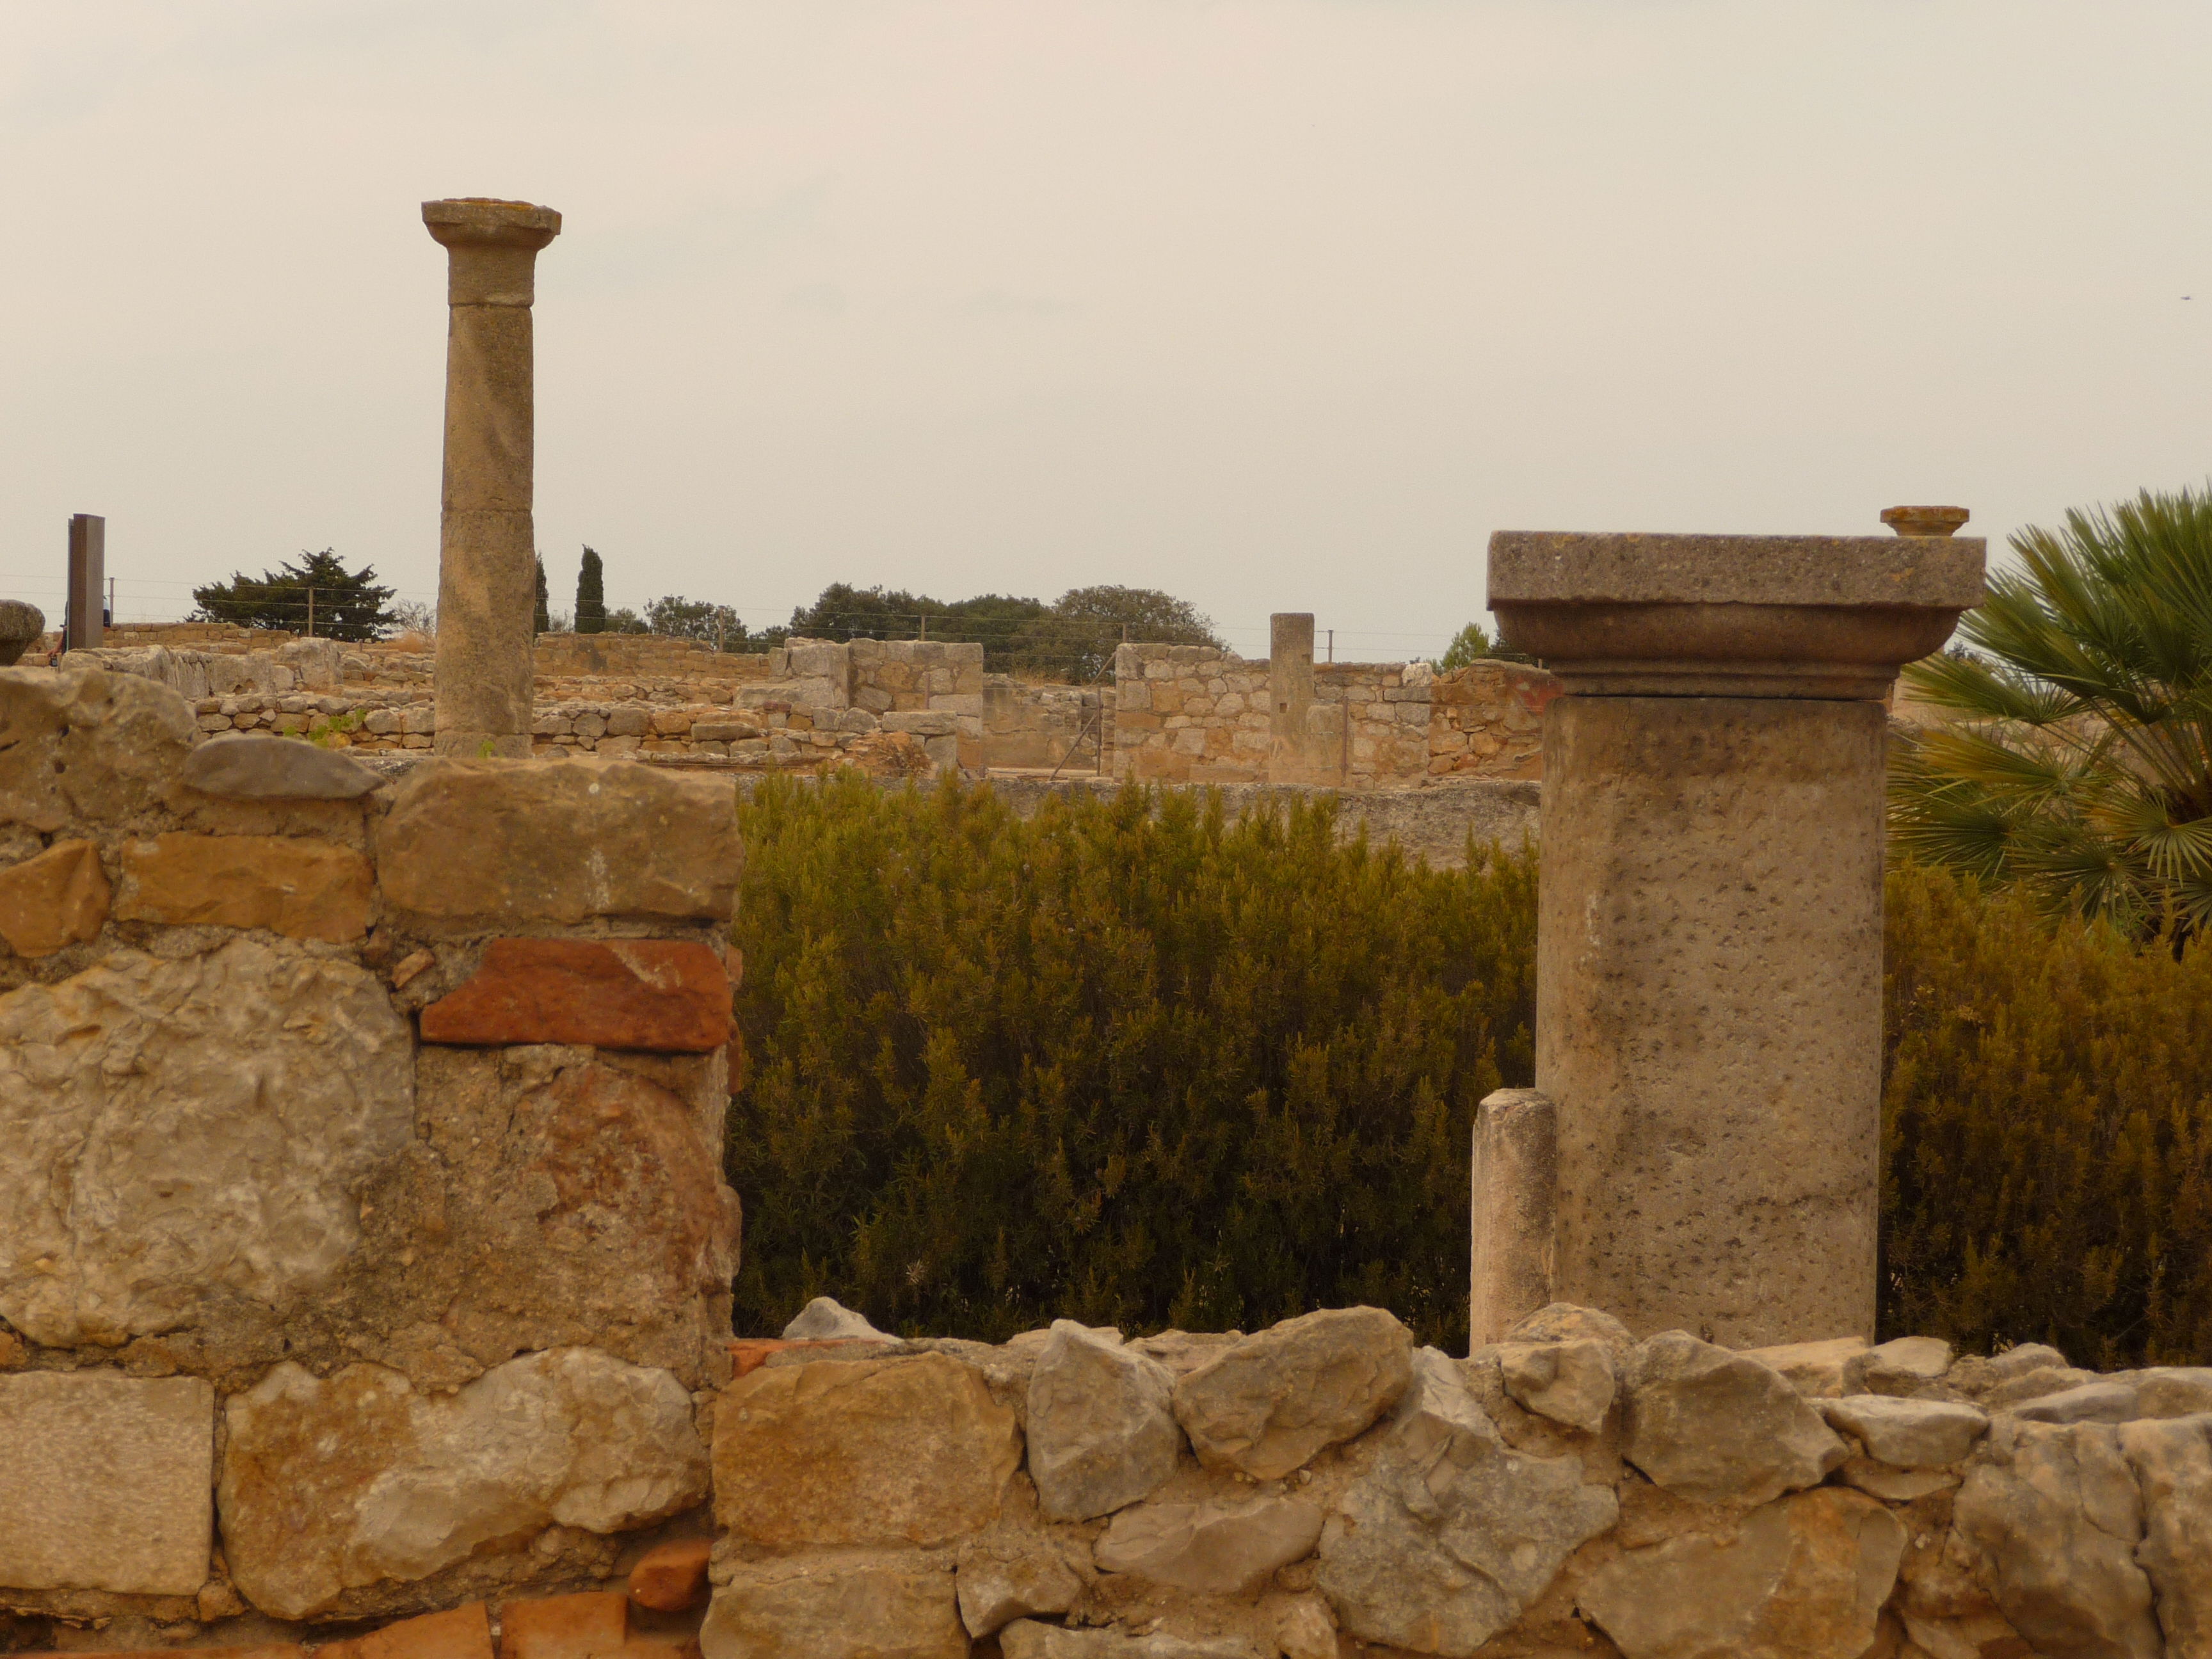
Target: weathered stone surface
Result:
[1909, 1434]
[181, 1133]
[104, 1482]
[1897, 1367]
[1102, 1427]
[301, 888]
[1215, 1549]
[2054, 1514]
[836, 1608]
[667, 994]
[1570, 1382]
[275, 768]
[2172, 1463]
[495, 842]
[2110, 1400]
[1805, 1578]
[555, 1197]
[1001, 1579]
[84, 744]
[1891, 1484]
[1815, 1370]
[1719, 1427]
[2037, 1383]
[905, 1450]
[2173, 1390]
[1515, 1168]
[58, 898]
[1449, 1536]
[456, 1634]
[671, 1577]
[825, 1319]
[1267, 1405]
[329, 1485]
[1562, 1321]
[1030, 1640]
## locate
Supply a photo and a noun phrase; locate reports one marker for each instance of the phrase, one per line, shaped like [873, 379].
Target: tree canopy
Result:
[315, 594]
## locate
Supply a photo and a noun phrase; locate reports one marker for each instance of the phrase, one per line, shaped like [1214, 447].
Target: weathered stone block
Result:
[1102, 1427]
[665, 994]
[88, 744]
[1215, 1549]
[881, 1452]
[332, 1485]
[1267, 1405]
[181, 1132]
[57, 899]
[1720, 1428]
[671, 1577]
[505, 841]
[1909, 1434]
[1805, 1578]
[104, 1482]
[840, 1607]
[264, 769]
[301, 888]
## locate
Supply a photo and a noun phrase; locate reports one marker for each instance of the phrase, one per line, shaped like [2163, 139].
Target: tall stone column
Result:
[1709, 935]
[487, 569]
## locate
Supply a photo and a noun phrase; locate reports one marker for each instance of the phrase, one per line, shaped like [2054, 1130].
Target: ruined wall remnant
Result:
[1709, 958]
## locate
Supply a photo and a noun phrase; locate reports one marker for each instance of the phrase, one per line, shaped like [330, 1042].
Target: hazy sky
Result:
[1276, 304]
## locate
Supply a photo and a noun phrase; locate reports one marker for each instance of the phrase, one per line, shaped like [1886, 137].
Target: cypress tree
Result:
[590, 596]
[544, 623]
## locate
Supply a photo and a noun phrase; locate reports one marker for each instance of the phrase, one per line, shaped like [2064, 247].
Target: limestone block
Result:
[1891, 1484]
[838, 1608]
[826, 1319]
[1570, 1382]
[629, 722]
[671, 1577]
[2173, 1390]
[1910, 1434]
[1003, 1579]
[1719, 1427]
[1102, 1427]
[665, 994]
[183, 1133]
[911, 1450]
[2035, 1384]
[296, 886]
[1897, 1367]
[331, 1485]
[1805, 1578]
[1815, 1370]
[1027, 1639]
[558, 1197]
[2055, 1518]
[1267, 1405]
[506, 840]
[264, 769]
[57, 899]
[1562, 1321]
[2108, 1400]
[104, 1485]
[88, 744]
[1215, 1549]
[2172, 1464]
[1449, 1536]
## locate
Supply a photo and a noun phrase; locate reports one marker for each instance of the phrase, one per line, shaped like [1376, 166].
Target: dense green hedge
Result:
[1138, 1064]
[1137, 1067]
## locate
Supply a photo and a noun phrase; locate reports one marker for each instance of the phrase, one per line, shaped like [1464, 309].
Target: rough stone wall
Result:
[1188, 713]
[1487, 721]
[1382, 712]
[359, 1164]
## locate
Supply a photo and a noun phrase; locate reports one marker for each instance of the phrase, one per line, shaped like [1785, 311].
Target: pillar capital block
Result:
[1820, 616]
[492, 248]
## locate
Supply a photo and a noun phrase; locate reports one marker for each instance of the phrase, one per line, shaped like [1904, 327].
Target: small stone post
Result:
[1515, 1190]
[486, 568]
[88, 581]
[1709, 936]
[1296, 752]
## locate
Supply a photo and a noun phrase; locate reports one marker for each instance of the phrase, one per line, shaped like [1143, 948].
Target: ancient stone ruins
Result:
[365, 1252]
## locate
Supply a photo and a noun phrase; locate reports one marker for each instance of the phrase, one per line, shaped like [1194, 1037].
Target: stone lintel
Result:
[1818, 616]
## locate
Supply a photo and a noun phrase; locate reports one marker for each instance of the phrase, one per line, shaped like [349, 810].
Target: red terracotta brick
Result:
[667, 994]
[461, 1633]
[592, 1626]
[671, 1577]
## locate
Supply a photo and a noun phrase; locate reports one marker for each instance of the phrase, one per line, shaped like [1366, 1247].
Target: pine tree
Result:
[590, 596]
[541, 622]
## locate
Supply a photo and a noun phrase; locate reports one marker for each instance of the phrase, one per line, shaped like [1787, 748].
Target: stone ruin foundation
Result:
[365, 1255]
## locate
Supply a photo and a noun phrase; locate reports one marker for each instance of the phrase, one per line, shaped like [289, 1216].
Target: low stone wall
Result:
[1487, 721]
[1188, 713]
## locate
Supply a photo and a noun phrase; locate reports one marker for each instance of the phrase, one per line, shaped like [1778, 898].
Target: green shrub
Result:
[2046, 1122]
[1130, 1061]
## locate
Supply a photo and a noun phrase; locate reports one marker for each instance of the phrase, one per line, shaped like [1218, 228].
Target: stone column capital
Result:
[493, 248]
[1818, 616]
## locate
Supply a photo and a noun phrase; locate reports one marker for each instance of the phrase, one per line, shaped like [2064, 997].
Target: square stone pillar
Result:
[88, 581]
[1301, 747]
[1709, 941]
[488, 545]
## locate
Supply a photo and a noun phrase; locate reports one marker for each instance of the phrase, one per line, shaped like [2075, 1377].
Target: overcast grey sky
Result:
[1276, 304]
